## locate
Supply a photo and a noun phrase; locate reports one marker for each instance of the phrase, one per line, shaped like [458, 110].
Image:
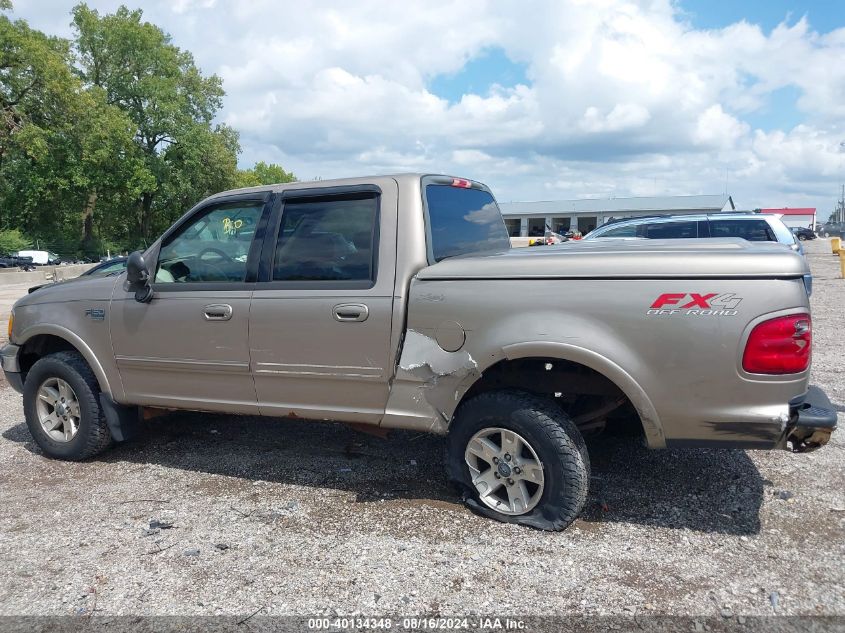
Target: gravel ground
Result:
[222, 515]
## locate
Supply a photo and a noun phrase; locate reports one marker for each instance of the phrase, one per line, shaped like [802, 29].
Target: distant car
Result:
[833, 229]
[14, 261]
[803, 233]
[113, 266]
[753, 227]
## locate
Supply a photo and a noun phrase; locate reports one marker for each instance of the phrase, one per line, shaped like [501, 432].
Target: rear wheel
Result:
[62, 408]
[519, 459]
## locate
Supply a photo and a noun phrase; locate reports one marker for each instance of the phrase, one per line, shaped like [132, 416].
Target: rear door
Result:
[320, 324]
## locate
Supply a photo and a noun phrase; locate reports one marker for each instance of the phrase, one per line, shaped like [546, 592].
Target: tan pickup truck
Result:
[397, 301]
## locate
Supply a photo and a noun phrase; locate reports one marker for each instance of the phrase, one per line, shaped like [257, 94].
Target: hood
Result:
[629, 259]
[76, 289]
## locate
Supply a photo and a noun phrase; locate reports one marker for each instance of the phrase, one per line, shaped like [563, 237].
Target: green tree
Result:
[64, 151]
[107, 139]
[12, 240]
[263, 174]
[170, 103]
[202, 164]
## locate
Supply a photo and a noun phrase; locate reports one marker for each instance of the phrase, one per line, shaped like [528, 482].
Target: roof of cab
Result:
[334, 182]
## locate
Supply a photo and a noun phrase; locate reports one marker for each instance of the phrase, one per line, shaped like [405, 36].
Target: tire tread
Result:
[98, 437]
[550, 420]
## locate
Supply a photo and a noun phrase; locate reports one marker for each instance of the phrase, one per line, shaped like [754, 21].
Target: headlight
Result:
[11, 322]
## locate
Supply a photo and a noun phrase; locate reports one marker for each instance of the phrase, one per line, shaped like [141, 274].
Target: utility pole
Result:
[839, 214]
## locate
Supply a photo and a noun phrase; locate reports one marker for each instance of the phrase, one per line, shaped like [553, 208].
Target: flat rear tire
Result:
[519, 458]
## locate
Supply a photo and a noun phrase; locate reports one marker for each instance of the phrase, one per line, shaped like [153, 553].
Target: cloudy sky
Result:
[540, 99]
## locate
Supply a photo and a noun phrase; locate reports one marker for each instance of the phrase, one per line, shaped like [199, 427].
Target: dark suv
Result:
[13, 261]
[833, 229]
[803, 233]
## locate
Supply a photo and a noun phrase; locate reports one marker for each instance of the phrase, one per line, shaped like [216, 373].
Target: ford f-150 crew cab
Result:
[397, 301]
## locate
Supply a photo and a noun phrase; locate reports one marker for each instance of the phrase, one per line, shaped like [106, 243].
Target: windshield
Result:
[463, 221]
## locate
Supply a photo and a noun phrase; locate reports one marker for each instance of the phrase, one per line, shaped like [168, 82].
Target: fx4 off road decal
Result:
[695, 304]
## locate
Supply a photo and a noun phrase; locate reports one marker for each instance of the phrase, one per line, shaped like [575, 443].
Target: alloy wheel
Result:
[505, 470]
[58, 410]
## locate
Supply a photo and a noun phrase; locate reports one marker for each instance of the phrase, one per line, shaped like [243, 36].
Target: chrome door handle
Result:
[217, 312]
[350, 312]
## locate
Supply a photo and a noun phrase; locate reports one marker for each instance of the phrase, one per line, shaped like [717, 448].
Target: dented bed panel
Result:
[679, 368]
[428, 385]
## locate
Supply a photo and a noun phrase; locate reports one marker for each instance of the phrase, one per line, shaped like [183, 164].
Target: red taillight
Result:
[461, 182]
[779, 346]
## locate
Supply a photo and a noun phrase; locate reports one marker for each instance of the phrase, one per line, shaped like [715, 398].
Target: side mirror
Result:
[138, 278]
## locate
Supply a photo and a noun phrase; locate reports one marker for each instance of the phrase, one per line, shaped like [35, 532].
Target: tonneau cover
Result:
[629, 258]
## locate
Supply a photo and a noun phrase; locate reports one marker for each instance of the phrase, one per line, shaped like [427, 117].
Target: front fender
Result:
[73, 339]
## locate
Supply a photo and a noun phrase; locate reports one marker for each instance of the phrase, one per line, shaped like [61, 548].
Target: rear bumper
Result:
[11, 366]
[812, 420]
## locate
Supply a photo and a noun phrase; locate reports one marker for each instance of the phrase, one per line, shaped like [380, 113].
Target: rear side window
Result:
[671, 230]
[751, 230]
[463, 221]
[327, 240]
[621, 231]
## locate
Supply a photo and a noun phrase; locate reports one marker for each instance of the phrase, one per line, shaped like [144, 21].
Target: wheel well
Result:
[40, 346]
[593, 401]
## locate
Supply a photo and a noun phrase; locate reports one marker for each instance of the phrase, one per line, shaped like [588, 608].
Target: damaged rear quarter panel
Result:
[679, 373]
[428, 384]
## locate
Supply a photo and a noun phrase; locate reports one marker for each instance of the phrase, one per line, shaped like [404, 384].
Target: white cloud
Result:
[623, 116]
[182, 6]
[623, 96]
[716, 128]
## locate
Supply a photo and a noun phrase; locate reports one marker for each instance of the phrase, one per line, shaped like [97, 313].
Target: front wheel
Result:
[62, 408]
[519, 459]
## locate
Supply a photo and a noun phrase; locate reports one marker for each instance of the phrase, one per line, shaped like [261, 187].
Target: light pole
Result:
[839, 214]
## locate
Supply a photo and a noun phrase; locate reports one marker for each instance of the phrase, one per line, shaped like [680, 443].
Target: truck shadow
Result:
[698, 489]
[710, 491]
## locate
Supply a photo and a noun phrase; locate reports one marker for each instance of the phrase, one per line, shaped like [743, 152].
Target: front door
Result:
[321, 314]
[189, 347]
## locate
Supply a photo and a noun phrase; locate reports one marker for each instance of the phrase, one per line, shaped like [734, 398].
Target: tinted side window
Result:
[464, 221]
[621, 231]
[751, 230]
[327, 240]
[212, 246]
[671, 230]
